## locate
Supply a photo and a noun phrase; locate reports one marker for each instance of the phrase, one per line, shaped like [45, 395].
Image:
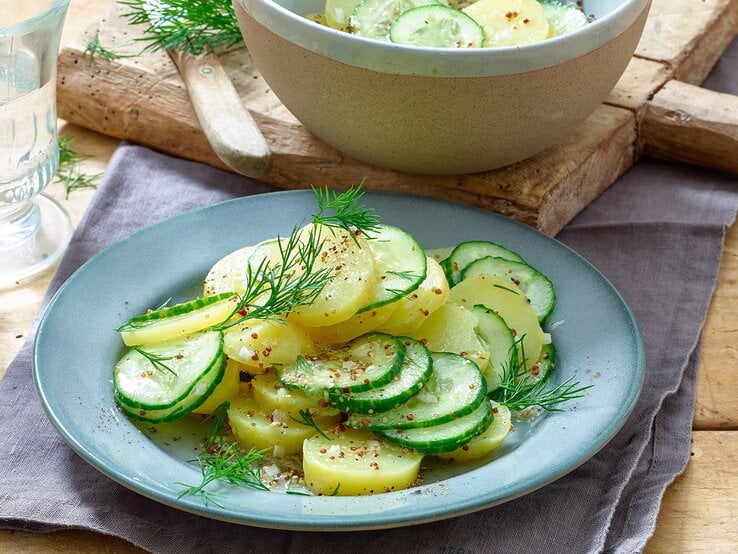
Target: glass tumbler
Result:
[34, 229]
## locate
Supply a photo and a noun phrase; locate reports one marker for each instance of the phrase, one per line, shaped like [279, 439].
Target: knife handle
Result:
[229, 127]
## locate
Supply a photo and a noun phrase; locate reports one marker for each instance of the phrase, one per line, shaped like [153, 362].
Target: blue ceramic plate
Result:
[77, 346]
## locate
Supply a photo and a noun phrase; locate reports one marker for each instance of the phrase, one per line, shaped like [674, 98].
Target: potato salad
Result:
[349, 351]
[454, 23]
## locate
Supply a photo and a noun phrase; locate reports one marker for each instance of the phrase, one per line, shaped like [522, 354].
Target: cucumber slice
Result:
[366, 363]
[399, 263]
[541, 370]
[445, 437]
[455, 389]
[436, 26]
[410, 311]
[439, 254]
[167, 372]
[466, 252]
[500, 341]
[486, 442]
[563, 16]
[198, 395]
[415, 370]
[151, 392]
[270, 394]
[372, 18]
[535, 285]
[178, 321]
[511, 305]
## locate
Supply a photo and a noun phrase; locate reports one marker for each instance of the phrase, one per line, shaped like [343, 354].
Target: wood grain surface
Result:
[699, 511]
[684, 122]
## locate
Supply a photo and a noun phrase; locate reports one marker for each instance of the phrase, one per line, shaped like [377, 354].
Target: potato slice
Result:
[357, 462]
[270, 394]
[412, 310]
[337, 12]
[349, 260]
[346, 258]
[511, 305]
[510, 22]
[273, 431]
[355, 326]
[229, 273]
[452, 328]
[261, 343]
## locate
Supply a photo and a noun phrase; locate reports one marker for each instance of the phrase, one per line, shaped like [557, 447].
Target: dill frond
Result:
[190, 25]
[277, 289]
[306, 419]
[344, 210]
[95, 49]
[518, 392]
[228, 464]
[156, 360]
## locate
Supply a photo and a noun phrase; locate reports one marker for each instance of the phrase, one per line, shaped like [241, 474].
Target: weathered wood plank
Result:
[697, 65]
[687, 123]
[717, 384]
[699, 512]
[64, 542]
[678, 29]
[641, 80]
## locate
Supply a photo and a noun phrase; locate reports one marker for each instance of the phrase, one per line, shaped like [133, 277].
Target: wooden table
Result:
[700, 510]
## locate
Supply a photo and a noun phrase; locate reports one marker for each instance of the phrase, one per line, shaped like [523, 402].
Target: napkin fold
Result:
[657, 234]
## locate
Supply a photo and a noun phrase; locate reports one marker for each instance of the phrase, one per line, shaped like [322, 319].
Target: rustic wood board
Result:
[142, 98]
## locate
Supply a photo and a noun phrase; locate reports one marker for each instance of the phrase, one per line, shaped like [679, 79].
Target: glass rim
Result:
[53, 10]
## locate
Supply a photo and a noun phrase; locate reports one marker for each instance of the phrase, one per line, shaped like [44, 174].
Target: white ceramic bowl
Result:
[438, 111]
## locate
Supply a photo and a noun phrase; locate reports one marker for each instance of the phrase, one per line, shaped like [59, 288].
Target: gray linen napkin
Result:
[657, 234]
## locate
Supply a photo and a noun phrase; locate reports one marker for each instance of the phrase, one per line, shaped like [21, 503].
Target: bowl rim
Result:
[404, 59]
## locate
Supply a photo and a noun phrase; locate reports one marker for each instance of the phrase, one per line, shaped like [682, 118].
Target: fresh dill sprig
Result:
[156, 360]
[190, 25]
[68, 156]
[395, 292]
[73, 179]
[508, 289]
[344, 210]
[335, 491]
[230, 464]
[217, 419]
[278, 289]
[275, 289]
[95, 49]
[409, 275]
[288, 489]
[523, 394]
[302, 365]
[306, 419]
[519, 393]
[69, 172]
